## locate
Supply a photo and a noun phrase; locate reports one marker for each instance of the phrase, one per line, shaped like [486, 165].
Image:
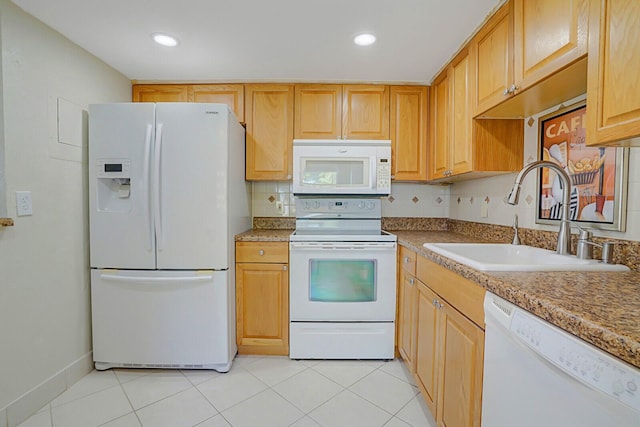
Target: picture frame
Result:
[599, 175]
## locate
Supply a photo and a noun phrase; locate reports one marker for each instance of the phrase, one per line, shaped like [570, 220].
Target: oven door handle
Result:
[370, 246]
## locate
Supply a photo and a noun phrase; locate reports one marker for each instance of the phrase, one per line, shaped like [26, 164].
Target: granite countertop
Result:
[600, 308]
[260, 235]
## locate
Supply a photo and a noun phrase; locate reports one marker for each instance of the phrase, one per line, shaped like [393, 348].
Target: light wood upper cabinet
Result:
[613, 101]
[269, 119]
[262, 298]
[493, 47]
[341, 111]
[461, 147]
[160, 93]
[530, 55]
[439, 143]
[365, 112]
[318, 113]
[408, 126]
[548, 34]
[231, 94]
[462, 84]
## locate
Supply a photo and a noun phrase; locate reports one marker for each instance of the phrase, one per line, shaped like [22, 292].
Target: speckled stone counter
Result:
[264, 235]
[601, 308]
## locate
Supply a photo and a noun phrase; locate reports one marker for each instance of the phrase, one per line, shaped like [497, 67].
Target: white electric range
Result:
[342, 280]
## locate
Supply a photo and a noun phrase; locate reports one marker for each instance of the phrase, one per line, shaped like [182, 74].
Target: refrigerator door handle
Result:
[156, 187]
[147, 279]
[147, 180]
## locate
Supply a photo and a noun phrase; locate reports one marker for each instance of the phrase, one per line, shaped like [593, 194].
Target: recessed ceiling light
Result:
[164, 39]
[364, 39]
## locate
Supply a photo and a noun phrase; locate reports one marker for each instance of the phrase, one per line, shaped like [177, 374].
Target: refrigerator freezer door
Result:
[174, 319]
[191, 225]
[121, 230]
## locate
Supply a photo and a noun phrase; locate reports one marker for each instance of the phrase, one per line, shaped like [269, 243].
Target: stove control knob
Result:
[370, 205]
[316, 204]
[360, 205]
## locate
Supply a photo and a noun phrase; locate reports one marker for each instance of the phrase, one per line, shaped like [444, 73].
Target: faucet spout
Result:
[564, 233]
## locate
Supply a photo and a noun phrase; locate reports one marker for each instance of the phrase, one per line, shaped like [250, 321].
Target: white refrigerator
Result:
[167, 194]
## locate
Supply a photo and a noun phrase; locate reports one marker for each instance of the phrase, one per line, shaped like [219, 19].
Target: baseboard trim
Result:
[33, 400]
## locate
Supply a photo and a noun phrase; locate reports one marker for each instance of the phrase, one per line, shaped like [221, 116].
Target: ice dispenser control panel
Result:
[114, 185]
[114, 168]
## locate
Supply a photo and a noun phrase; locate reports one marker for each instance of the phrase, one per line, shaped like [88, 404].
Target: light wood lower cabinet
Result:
[262, 298]
[407, 309]
[448, 335]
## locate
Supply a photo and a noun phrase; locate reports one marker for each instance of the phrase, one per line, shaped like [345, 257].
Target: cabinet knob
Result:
[261, 252]
[411, 281]
[285, 268]
[406, 260]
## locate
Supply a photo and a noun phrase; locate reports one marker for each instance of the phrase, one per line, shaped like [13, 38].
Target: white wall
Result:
[44, 273]
[473, 193]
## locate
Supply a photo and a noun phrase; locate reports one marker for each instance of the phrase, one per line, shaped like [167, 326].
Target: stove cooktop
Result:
[344, 236]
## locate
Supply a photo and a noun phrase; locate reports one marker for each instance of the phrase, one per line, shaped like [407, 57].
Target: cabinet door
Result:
[160, 93]
[439, 127]
[262, 308]
[269, 118]
[408, 122]
[365, 112]
[493, 47]
[548, 35]
[613, 104]
[459, 398]
[461, 155]
[427, 345]
[408, 300]
[318, 111]
[232, 95]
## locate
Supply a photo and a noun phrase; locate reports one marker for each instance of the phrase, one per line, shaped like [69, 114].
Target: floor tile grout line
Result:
[78, 398]
[243, 400]
[316, 407]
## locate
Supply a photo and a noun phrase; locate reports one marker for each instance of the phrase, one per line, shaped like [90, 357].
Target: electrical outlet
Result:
[280, 207]
[23, 203]
[484, 209]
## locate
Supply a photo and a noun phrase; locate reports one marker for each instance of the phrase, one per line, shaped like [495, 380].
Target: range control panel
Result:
[582, 361]
[340, 207]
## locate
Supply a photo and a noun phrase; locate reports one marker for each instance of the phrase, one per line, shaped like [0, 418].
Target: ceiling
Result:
[275, 40]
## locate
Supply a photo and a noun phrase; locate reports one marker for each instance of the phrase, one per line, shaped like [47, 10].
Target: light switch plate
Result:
[23, 203]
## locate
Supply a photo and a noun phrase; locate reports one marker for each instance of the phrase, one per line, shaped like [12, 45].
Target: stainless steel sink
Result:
[507, 257]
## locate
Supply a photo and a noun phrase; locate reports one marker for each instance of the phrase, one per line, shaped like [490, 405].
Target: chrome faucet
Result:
[564, 233]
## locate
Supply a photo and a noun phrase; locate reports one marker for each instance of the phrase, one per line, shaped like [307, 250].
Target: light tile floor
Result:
[257, 392]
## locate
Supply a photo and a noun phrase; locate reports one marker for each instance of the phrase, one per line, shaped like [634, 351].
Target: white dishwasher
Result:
[536, 375]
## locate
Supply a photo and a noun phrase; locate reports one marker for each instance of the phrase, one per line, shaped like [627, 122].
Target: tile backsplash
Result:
[276, 199]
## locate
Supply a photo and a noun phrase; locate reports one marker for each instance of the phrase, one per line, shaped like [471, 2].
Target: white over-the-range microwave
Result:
[341, 167]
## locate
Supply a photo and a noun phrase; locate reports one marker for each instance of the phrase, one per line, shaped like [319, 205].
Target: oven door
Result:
[342, 281]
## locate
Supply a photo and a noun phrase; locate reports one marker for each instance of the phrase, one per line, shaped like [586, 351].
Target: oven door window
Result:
[342, 280]
[340, 172]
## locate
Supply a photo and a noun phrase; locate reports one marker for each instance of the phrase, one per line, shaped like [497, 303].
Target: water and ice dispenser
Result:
[114, 185]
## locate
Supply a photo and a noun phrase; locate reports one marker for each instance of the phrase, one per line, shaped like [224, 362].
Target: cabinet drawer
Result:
[464, 295]
[266, 252]
[408, 260]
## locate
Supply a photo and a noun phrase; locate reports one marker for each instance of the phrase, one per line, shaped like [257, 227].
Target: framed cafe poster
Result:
[598, 174]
